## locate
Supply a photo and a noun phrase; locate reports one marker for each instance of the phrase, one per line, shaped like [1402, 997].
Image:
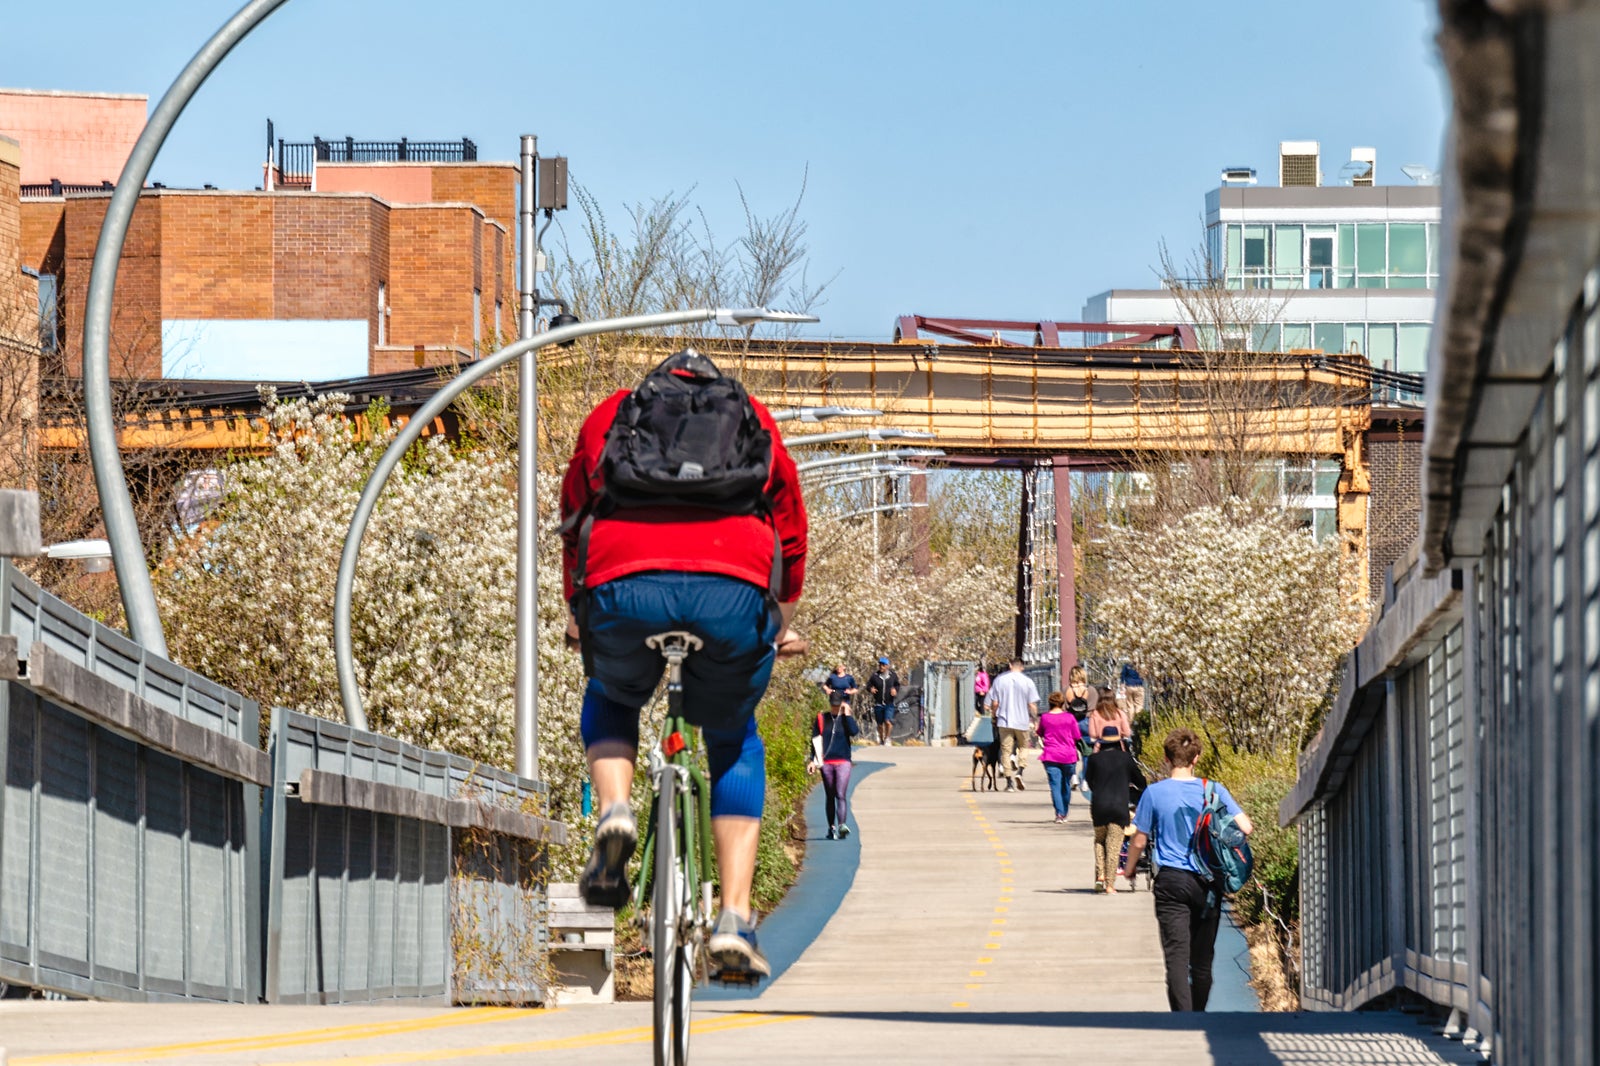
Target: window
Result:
[1265, 338]
[1319, 257]
[1235, 260]
[1346, 276]
[499, 334]
[1296, 335]
[1288, 267]
[1255, 255]
[49, 320]
[1381, 344]
[1372, 255]
[1408, 248]
[1433, 248]
[1355, 338]
[477, 321]
[1412, 351]
[1328, 336]
[383, 313]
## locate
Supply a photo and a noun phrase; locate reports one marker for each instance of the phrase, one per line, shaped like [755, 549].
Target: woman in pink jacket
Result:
[1059, 731]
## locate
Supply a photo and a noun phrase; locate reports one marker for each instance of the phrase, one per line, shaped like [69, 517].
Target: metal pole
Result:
[344, 584]
[116, 504]
[525, 715]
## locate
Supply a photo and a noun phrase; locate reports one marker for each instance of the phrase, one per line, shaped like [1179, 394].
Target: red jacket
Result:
[631, 540]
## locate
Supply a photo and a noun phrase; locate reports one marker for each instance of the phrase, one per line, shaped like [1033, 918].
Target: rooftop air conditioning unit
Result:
[1299, 163]
[1238, 175]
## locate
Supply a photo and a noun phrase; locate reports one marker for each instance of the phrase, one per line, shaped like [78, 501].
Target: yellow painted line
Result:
[613, 1038]
[985, 959]
[1001, 855]
[971, 987]
[959, 1003]
[991, 947]
[979, 973]
[363, 1031]
[1001, 910]
[1005, 899]
[997, 921]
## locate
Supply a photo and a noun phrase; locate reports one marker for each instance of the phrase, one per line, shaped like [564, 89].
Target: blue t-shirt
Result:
[1167, 812]
[1130, 676]
[841, 683]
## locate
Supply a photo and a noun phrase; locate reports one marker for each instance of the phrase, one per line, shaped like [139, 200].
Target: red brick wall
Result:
[431, 275]
[18, 313]
[216, 255]
[44, 235]
[322, 258]
[492, 187]
[136, 304]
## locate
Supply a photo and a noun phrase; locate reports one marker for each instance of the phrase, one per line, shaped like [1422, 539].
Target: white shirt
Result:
[1011, 694]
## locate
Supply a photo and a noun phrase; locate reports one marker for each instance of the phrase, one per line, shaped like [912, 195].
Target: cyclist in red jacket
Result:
[650, 569]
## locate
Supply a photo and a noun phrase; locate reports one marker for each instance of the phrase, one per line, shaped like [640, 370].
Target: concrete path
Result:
[968, 934]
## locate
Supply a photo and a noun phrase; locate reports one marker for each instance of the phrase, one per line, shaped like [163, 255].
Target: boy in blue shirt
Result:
[1184, 910]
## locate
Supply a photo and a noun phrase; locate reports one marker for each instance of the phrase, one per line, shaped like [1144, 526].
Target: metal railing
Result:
[1446, 813]
[396, 872]
[127, 814]
[297, 160]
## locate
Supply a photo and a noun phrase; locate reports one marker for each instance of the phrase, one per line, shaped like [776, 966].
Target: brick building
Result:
[364, 267]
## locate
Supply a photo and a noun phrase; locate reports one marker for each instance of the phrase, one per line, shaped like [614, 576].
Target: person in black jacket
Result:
[1112, 776]
[884, 687]
[836, 727]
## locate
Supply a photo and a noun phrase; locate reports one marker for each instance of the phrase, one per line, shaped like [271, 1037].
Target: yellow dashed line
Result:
[607, 1039]
[959, 1003]
[367, 1031]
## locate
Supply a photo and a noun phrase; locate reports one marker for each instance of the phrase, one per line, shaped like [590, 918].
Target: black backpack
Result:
[686, 437]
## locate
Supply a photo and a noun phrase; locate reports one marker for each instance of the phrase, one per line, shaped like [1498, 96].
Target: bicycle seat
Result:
[674, 642]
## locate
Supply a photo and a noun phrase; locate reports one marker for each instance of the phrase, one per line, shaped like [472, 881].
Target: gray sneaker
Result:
[604, 882]
[733, 951]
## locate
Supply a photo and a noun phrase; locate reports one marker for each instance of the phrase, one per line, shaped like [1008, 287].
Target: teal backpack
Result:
[1219, 845]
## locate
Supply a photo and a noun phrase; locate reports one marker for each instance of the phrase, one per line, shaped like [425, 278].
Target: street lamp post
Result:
[411, 432]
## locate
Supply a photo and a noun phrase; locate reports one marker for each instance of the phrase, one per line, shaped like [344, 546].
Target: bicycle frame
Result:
[674, 754]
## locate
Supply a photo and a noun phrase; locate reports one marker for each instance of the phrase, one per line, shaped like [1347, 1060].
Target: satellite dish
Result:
[1420, 174]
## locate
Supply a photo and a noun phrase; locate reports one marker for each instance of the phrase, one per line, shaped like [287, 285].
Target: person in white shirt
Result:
[1015, 701]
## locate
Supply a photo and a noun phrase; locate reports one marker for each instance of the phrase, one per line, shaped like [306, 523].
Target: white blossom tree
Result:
[1239, 619]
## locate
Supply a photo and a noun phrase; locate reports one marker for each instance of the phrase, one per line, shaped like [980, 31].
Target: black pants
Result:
[1188, 936]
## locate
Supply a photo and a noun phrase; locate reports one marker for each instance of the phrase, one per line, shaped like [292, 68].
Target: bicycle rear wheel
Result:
[666, 911]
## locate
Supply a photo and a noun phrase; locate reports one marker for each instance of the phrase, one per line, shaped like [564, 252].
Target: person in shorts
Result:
[640, 571]
[883, 687]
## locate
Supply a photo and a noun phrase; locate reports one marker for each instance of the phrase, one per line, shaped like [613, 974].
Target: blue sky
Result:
[1002, 159]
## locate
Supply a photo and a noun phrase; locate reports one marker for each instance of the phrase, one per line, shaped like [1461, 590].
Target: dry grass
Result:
[1267, 974]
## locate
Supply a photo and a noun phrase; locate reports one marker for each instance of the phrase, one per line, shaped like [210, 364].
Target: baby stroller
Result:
[1145, 867]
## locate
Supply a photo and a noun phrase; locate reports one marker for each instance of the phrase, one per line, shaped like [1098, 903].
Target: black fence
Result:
[297, 160]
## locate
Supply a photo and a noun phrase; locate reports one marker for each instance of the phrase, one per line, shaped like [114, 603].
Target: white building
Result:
[1346, 267]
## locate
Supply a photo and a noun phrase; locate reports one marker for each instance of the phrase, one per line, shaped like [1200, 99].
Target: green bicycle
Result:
[677, 862]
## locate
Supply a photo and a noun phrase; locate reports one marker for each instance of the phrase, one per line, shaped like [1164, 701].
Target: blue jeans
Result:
[1060, 775]
[722, 682]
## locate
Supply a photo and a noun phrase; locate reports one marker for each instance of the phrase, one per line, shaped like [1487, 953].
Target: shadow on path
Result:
[1324, 1038]
[826, 873]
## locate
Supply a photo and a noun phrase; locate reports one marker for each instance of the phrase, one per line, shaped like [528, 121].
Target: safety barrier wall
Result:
[127, 814]
[395, 872]
[1448, 816]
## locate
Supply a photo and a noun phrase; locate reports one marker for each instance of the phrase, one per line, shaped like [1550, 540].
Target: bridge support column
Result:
[1066, 576]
